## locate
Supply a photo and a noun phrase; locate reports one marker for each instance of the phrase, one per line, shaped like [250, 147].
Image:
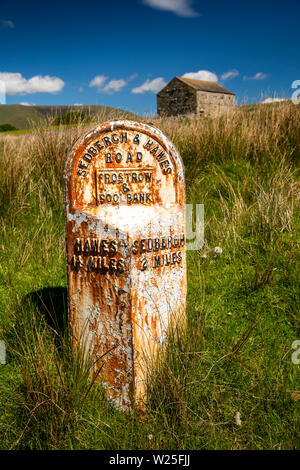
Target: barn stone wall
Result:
[176, 99]
[213, 104]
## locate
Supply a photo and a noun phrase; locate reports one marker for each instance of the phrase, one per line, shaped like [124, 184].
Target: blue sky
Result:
[120, 53]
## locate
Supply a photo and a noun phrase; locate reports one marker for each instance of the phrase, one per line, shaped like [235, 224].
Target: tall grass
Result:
[242, 305]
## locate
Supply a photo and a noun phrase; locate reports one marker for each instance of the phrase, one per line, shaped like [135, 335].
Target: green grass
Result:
[17, 132]
[243, 305]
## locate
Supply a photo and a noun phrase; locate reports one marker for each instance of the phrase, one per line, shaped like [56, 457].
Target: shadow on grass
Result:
[51, 302]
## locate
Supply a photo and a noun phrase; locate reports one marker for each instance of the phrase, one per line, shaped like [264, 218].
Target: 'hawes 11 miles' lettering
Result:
[93, 254]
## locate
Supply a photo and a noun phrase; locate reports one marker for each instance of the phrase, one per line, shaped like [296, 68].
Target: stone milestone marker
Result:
[125, 232]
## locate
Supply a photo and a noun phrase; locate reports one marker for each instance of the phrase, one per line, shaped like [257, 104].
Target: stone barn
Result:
[189, 97]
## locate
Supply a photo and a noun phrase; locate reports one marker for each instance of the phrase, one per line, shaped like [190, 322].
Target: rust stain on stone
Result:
[125, 233]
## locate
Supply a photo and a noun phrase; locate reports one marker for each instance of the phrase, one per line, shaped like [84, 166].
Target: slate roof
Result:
[202, 85]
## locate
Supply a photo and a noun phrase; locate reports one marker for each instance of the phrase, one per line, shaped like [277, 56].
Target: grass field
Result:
[229, 382]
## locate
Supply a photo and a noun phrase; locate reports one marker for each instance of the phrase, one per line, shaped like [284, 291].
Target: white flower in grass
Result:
[150, 437]
[217, 251]
[237, 418]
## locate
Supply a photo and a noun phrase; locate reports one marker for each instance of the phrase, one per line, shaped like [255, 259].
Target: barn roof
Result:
[202, 85]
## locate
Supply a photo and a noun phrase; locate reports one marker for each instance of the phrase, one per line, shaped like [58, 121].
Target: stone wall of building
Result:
[179, 99]
[176, 99]
[214, 104]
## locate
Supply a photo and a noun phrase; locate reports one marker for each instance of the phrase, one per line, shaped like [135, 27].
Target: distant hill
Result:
[25, 117]
[22, 117]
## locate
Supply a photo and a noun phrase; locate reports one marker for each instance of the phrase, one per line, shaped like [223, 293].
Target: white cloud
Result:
[257, 76]
[111, 87]
[24, 103]
[154, 85]
[7, 24]
[272, 100]
[98, 81]
[114, 86]
[77, 104]
[230, 74]
[16, 84]
[179, 7]
[205, 75]
[132, 77]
